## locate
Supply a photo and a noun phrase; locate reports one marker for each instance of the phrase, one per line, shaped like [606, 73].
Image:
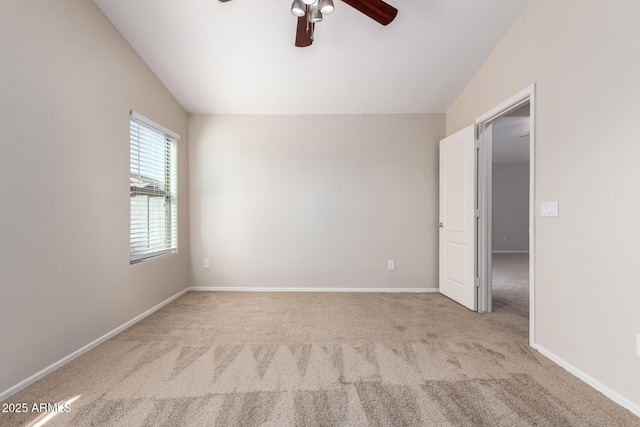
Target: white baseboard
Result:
[286, 289]
[510, 252]
[611, 394]
[46, 371]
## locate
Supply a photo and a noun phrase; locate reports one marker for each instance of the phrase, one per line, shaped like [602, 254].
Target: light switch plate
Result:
[391, 265]
[549, 209]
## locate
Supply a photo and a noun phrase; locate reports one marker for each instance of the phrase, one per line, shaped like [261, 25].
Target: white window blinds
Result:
[153, 189]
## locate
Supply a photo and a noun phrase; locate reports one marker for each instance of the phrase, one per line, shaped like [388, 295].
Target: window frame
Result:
[169, 166]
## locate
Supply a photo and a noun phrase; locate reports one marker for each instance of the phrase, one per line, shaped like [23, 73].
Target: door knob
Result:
[441, 225]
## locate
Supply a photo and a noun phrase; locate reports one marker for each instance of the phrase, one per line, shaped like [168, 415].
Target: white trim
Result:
[147, 121]
[509, 105]
[611, 394]
[503, 108]
[510, 252]
[286, 289]
[46, 371]
[484, 194]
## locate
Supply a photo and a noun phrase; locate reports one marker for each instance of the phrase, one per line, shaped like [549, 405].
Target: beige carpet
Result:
[510, 287]
[312, 359]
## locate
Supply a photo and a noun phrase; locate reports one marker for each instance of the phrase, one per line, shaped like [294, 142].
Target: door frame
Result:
[484, 199]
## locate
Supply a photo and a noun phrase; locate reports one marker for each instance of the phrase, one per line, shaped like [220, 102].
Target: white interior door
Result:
[458, 218]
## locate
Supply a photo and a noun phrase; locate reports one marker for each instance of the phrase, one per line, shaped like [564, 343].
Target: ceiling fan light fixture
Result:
[297, 8]
[326, 6]
[315, 15]
[308, 2]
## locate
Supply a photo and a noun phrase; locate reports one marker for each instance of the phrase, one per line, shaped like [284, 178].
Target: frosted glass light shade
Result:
[297, 8]
[326, 6]
[314, 15]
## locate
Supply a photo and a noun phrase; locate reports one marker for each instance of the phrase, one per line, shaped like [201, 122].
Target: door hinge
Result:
[477, 282]
[477, 144]
[477, 213]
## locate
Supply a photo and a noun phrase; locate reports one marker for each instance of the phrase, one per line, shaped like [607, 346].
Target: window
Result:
[153, 189]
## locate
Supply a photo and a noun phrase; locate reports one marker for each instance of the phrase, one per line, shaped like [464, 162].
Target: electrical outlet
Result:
[504, 239]
[391, 265]
[206, 263]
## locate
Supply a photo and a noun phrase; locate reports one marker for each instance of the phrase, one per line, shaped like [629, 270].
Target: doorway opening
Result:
[510, 213]
[505, 202]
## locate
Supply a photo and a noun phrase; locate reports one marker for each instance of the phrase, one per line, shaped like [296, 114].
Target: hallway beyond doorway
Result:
[510, 285]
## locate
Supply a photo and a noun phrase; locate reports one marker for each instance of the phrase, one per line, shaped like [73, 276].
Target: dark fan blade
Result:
[224, 1]
[303, 37]
[375, 9]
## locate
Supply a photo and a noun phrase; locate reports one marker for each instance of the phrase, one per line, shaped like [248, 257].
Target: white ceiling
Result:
[239, 58]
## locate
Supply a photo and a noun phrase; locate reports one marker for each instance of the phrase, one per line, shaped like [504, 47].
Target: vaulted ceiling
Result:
[239, 57]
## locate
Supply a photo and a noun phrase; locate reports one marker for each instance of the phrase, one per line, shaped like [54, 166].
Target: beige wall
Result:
[314, 201]
[584, 57]
[510, 207]
[67, 82]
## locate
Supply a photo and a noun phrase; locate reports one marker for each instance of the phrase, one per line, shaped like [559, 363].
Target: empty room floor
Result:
[510, 287]
[327, 359]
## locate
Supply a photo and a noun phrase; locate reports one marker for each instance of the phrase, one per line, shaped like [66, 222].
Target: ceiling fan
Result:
[309, 12]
